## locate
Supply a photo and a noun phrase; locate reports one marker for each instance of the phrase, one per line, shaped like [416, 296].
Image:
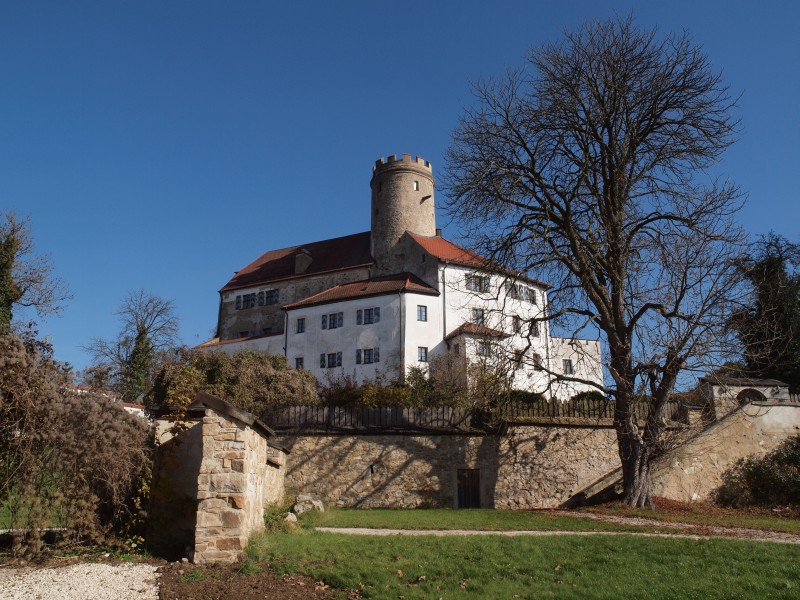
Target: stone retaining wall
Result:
[530, 466]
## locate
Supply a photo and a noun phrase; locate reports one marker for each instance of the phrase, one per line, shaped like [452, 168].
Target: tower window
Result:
[422, 313]
[416, 185]
[568, 367]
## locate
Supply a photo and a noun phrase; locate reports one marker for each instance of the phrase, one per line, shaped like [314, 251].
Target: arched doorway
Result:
[750, 395]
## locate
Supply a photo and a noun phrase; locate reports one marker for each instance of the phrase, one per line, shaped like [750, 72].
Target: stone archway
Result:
[748, 395]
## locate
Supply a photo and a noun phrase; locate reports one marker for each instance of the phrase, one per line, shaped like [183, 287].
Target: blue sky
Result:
[164, 145]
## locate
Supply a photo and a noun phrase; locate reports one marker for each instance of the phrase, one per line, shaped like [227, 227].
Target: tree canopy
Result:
[769, 325]
[149, 326]
[588, 168]
[251, 380]
[26, 279]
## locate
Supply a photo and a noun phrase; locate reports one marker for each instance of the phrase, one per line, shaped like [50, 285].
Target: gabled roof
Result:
[377, 286]
[448, 252]
[474, 329]
[336, 254]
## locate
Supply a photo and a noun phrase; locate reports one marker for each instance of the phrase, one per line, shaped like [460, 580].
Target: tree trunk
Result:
[635, 458]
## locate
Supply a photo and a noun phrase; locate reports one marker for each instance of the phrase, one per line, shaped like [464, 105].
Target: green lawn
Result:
[564, 566]
[441, 518]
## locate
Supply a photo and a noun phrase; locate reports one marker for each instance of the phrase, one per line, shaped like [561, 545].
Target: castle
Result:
[372, 305]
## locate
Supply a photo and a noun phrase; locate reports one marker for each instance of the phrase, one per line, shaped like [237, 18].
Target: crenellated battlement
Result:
[405, 160]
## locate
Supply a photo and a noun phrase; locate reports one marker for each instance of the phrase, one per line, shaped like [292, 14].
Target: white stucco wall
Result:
[399, 335]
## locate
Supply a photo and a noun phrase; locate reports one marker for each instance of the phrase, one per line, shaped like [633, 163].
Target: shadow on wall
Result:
[173, 498]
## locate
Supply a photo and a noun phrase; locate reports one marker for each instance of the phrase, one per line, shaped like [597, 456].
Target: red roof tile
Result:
[346, 252]
[475, 329]
[377, 286]
[215, 341]
[447, 251]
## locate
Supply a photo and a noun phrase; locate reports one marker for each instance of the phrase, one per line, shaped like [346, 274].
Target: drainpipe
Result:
[444, 305]
[402, 328]
[286, 334]
[547, 349]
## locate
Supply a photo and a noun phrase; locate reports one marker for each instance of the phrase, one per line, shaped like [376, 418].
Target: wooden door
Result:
[469, 493]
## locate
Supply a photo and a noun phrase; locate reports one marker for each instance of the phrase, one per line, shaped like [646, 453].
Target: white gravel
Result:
[83, 581]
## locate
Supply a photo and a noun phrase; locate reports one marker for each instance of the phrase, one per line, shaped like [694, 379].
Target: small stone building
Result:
[215, 472]
[723, 395]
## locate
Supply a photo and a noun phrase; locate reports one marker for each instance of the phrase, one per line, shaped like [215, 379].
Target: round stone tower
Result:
[402, 200]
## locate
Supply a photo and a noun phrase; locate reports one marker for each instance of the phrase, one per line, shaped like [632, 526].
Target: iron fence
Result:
[447, 418]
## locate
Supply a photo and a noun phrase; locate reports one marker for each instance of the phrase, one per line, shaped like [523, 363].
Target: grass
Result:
[564, 566]
[477, 519]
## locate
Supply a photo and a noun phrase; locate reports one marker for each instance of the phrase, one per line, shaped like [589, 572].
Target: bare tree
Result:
[26, 279]
[588, 168]
[148, 326]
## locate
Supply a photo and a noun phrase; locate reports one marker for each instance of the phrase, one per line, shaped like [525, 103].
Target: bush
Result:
[69, 460]
[251, 380]
[772, 480]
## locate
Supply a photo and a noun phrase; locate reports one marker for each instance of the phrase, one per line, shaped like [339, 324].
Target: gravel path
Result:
[705, 532]
[758, 535]
[82, 581]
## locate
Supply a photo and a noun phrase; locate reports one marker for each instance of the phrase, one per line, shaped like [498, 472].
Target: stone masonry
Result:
[238, 473]
[527, 467]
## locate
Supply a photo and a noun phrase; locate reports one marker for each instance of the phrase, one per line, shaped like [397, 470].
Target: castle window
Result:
[422, 353]
[333, 320]
[478, 316]
[368, 316]
[298, 363]
[457, 349]
[416, 185]
[261, 297]
[478, 283]
[246, 301]
[422, 312]
[273, 296]
[484, 349]
[537, 361]
[301, 325]
[330, 360]
[517, 324]
[367, 356]
[568, 367]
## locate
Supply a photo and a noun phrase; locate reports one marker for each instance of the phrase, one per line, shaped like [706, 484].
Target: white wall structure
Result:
[372, 305]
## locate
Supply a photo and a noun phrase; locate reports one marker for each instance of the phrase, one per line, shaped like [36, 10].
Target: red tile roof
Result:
[215, 341]
[336, 254]
[377, 286]
[447, 251]
[475, 329]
